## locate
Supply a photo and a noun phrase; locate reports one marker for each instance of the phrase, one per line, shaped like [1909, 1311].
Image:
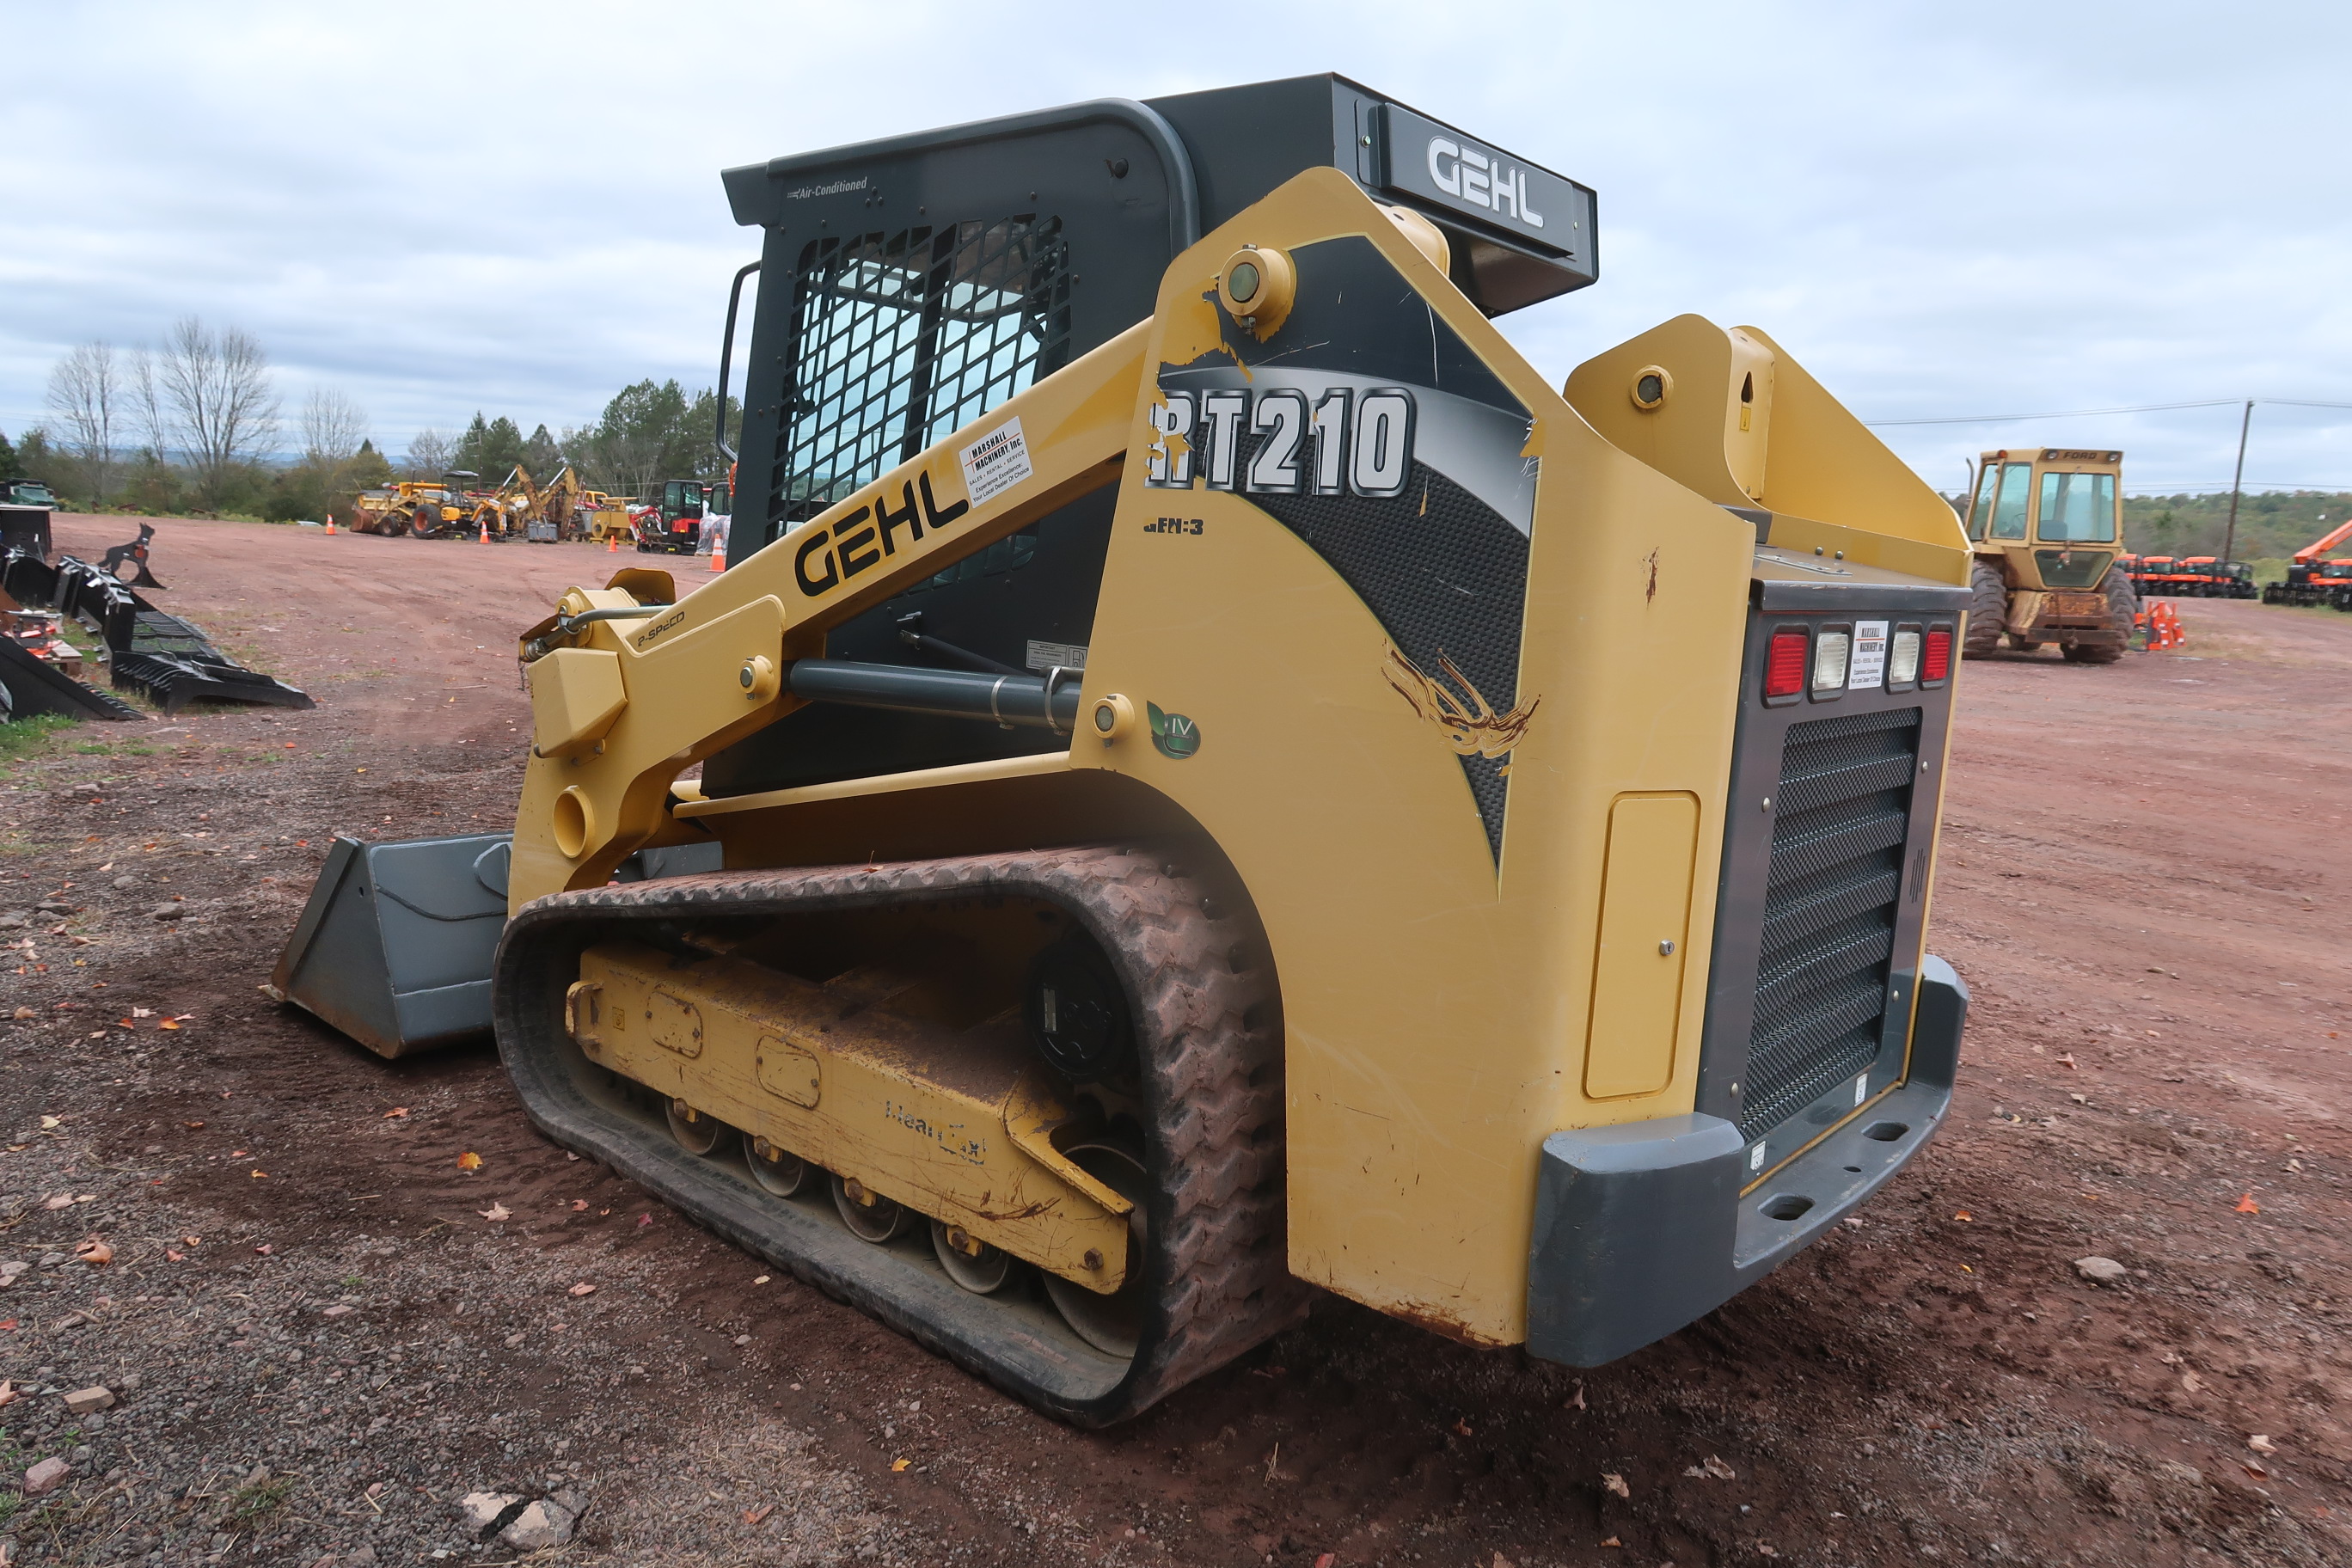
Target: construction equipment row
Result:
[520, 508]
[2188, 576]
[2314, 578]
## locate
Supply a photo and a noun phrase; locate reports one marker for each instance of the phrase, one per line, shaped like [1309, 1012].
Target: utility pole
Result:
[2230, 541]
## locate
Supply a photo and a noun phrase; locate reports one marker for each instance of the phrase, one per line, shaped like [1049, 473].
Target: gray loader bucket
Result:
[396, 945]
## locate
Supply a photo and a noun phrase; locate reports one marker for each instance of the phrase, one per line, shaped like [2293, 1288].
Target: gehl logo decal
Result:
[866, 536]
[1343, 442]
[1481, 180]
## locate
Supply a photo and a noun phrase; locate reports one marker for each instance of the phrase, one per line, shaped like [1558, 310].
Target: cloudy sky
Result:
[1943, 211]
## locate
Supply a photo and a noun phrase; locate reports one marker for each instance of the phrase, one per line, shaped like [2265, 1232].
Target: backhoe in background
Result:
[427, 511]
[1220, 782]
[2046, 527]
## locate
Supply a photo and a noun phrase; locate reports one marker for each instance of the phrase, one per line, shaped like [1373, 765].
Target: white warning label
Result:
[1869, 667]
[996, 462]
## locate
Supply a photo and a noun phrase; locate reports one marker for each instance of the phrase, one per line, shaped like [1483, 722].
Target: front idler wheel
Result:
[1076, 1012]
[869, 1215]
[697, 1131]
[778, 1173]
[970, 1262]
[1113, 1323]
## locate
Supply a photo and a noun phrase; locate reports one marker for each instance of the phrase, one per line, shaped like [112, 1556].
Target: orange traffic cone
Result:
[611, 544]
[330, 525]
[718, 558]
[485, 539]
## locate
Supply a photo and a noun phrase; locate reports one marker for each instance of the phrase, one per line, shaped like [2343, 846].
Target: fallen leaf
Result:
[265, 1248]
[2254, 1470]
[1964, 1215]
[645, 1219]
[763, 1280]
[1612, 1540]
[169, 1024]
[469, 1161]
[2247, 1205]
[1326, 1560]
[49, 1123]
[239, 1154]
[1711, 1465]
[194, 1240]
[2260, 1444]
[495, 1213]
[2068, 1061]
[2193, 1384]
[7, 1390]
[580, 1205]
[396, 1112]
[260, 1175]
[61, 1201]
[142, 1012]
[584, 1289]
[172, 1256]
[898, 1465]
[94, 1252]
[1501, 1561]
[1615, 1484]
[754, 1515]
[193, 1126]
[1461, 1427]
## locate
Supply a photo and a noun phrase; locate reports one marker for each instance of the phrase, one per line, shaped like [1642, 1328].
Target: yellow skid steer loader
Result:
[1207, 778]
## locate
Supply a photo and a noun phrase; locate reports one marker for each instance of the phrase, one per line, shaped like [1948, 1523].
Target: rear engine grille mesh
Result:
[899, 339]
[1842, 812]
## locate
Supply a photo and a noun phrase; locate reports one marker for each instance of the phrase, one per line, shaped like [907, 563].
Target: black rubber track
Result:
[1208, 1033]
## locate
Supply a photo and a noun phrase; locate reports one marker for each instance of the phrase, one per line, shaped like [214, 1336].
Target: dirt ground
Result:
[322, 1332]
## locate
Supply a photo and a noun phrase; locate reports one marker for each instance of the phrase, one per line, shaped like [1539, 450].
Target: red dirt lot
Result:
[2134, 882]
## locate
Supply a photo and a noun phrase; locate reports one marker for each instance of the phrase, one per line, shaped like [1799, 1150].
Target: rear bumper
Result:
[1641, 1230]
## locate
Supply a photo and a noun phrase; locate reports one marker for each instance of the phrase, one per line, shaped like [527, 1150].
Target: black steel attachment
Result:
[1048, 701]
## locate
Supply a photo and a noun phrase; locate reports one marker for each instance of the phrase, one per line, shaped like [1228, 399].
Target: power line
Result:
[2089, 413]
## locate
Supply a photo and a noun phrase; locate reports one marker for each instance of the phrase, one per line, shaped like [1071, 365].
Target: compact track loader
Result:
[2046, 525]
[1208, 778]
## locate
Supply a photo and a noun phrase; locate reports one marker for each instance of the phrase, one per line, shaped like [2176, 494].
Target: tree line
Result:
[195, 426]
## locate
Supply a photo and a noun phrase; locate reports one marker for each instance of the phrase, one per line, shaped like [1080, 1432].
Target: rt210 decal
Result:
[1339, 442]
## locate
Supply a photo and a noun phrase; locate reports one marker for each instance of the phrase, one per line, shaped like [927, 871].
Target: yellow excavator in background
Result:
[1223, 782]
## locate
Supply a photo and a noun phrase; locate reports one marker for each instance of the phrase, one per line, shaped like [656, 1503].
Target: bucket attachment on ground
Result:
[154, 652]
[29, 685]
[396, 945]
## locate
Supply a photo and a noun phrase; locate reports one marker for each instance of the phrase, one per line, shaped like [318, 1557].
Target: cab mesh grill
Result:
[1842, 813]
[899, 339]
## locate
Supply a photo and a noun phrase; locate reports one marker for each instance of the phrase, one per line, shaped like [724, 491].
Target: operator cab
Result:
[2054, 514]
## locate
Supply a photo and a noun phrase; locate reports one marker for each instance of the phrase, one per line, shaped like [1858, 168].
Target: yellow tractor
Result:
[2046, 527]
[414, 507]
[1223, 782]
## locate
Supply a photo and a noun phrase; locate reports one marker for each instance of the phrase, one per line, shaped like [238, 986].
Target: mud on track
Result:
[2139, 882]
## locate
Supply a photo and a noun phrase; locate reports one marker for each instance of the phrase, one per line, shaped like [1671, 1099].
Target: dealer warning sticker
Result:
[996, 462]
[1869, 667]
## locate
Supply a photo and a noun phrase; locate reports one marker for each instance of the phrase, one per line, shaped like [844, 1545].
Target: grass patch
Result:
[9, 1503]
[248, 1506]
[23, 740]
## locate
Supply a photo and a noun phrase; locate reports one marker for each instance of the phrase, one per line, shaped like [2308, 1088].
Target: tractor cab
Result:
[672, 519]
[2046, 524]
[2049, 518]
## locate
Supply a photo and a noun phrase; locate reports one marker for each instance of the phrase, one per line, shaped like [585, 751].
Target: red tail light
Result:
[1937, 662]
[1784, 663]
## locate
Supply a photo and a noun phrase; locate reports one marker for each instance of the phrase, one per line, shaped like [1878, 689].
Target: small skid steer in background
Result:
[1208, 777]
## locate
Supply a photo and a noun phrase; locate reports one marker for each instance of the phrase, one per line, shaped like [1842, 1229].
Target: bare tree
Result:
[147, 404]
[87, 392]
[428, 454]
[216, 387]
[332, 428]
